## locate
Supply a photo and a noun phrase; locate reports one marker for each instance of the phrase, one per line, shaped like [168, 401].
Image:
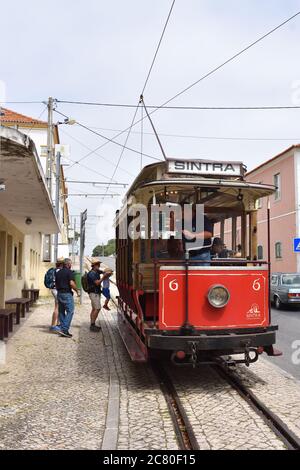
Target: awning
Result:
[26, 196]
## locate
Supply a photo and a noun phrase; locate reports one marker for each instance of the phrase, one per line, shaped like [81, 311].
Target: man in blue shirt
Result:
[202, 240]
[94, 283]
[65, 285]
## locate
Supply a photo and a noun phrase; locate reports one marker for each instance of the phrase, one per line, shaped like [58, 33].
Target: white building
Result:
[37, 130]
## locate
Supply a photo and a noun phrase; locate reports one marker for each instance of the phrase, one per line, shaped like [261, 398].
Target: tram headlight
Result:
[218, 296]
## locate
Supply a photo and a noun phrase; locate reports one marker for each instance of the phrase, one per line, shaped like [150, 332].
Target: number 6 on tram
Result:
[190, 284]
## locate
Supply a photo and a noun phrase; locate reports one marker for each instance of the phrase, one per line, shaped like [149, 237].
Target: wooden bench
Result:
[21, 304]
[32, 294]
[6, 322]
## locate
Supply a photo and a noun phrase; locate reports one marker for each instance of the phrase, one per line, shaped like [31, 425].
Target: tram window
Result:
[260, 252]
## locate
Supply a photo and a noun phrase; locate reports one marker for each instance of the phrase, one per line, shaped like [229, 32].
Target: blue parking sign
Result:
[296, 245]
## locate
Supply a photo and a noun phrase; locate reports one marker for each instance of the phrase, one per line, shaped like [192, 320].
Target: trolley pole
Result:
[83, 217]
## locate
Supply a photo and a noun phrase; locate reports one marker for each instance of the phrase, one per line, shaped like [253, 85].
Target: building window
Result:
[47, 248]
[260, 252]
[278, 250]
[15, 256]
[9, 256]
[277, 183]
[20, 260]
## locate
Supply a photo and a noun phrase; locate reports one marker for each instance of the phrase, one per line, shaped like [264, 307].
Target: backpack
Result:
[49, 279]
[84, 282]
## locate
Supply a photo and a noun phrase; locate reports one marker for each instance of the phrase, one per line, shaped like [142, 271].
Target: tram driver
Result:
[202, 240]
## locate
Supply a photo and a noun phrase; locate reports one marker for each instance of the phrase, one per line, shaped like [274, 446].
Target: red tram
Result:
[171, 303]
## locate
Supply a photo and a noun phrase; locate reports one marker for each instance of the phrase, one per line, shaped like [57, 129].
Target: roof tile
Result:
[11, 117]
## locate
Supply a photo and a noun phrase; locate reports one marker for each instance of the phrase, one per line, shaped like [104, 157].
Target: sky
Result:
[100, 51]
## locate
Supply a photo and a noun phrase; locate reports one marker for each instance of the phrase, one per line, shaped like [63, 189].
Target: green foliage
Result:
[105, 250]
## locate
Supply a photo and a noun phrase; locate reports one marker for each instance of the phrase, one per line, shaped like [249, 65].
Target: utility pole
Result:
[73, 242]
[49, 146]
[83, 217]
[57, 200]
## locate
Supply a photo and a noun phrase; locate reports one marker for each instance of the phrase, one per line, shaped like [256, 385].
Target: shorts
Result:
[54, 293]
[95, 300]
[106, 292]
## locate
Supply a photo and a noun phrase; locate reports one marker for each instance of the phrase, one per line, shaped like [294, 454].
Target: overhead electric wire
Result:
[137, 106]
[189, 108]
[143, 89]
[21, 102]
[186, 136]
[92, 151]
[211, 72]
[107, 138]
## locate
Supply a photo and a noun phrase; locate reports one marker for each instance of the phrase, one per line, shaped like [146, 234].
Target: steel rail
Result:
[182, 425]
[288, 437]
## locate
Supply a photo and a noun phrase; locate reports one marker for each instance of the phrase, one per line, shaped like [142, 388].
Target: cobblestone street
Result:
[85, 393]
[54, 391]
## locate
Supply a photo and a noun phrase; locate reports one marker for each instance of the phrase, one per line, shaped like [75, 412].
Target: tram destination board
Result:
[206, 167]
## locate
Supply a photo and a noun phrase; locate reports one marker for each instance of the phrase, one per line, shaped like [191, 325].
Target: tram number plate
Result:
[256, 285]
[173, 285]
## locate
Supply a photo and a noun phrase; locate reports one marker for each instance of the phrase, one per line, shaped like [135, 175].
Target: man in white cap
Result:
[94, 285]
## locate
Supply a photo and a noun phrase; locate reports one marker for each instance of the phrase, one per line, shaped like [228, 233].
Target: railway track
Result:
[288, 437]
[182, 426]
[187, 440]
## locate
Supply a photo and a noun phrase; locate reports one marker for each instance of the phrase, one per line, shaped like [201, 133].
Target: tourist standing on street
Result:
[65, 284]
[94, 289]
[54, 324]
[106, 287]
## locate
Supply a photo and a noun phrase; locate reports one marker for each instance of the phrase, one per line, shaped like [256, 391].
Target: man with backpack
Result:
[94, 281]
[65, 285]
[49, 282]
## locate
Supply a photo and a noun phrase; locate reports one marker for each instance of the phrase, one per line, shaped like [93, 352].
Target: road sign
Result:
[296, 245]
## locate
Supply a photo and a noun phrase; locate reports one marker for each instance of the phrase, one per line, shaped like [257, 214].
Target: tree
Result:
[105, 250]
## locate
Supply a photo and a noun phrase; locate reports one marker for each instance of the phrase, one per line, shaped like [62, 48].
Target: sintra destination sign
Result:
[206, 167]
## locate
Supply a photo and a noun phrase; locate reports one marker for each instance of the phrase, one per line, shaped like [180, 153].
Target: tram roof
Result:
[158, 175]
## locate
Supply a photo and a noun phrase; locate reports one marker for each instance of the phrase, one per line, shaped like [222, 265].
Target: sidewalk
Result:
[53, 390]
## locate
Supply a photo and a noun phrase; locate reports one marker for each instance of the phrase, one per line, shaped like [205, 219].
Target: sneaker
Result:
[65, 334]
[106, 307]
[95, 328]
[55, 329]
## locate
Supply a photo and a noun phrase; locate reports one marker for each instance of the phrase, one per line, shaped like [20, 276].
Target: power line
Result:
[107, 138]
[158, 46]
[187, 108]
[143, 89]
[21, 102]
[96, 183]
[186, 136]
[91, 170]
[211, 72]
[92, 151]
